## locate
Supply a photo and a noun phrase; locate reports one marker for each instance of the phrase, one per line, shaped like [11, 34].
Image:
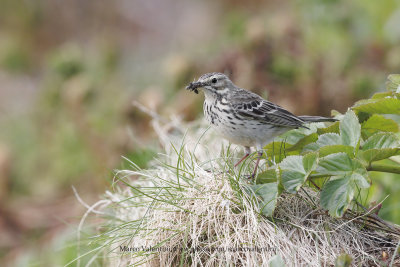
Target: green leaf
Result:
[379, 106]
[296, 169]
[371, 155]
[329, 139]
[327, 150]
[276, 261]
[381, 140]
[340, 164]
[291, 137]
[333, 128]
[293, 174]
[338, 192]
[311, 147]
[359, 180]
[380, 146]
[335, 164]
[393, 83]
[350, 129]
[268, 194]
[295, 135]
[277, 151]
[310, 162]
[382, 95]
[336, 195]
[304, 141]
[267, 176]
[377, 123]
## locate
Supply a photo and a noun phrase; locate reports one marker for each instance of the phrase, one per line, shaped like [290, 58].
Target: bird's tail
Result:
[315, 118]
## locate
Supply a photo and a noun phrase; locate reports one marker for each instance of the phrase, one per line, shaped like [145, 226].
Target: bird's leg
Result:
[247, 151]
[260, 153]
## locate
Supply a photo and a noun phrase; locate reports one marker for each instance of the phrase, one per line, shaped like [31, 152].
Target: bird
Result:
[243, 117]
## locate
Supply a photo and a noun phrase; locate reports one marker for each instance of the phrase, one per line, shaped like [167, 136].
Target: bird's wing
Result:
[254, 107]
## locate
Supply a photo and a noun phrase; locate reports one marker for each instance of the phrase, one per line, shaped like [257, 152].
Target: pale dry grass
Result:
[187, 210]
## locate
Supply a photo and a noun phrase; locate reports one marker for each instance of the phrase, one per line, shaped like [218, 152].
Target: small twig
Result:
[376, 217]
[314, 184]
[313, 176]
[309, 197]
[394, 254]
[148, 111]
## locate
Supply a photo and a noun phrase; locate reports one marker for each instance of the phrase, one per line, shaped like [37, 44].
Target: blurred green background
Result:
[69, 71]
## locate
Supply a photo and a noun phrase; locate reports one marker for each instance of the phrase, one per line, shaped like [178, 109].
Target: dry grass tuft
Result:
[187, 210]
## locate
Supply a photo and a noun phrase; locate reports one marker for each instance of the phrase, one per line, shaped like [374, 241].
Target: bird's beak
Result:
[194, 85]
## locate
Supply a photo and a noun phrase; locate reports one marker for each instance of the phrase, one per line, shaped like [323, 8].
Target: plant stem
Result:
[391, 227]
[376, 167]
[314, 184]
[312, 176]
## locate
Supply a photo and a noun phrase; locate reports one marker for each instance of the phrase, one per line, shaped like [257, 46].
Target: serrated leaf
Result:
[335, 164]
[364, 102]
[295, 135]
[350, 129]
[371, 155]
[293, 174]
[304, 141]
[276, 261]
[267, 176]
[311, 147]
[277, 151]
[338, 192]
[393, 83]
[292, 180]
[382, 95]
[359, 180]
[339, 164]
[379, 106]
[310, 162]
[324, 140]
[381, 140]
[377, 123]
[295, 170]
[268, 194]
[327, 150]
[329, 139]
[292, 163]
[336, 195]
[333, 128]
[291, 137]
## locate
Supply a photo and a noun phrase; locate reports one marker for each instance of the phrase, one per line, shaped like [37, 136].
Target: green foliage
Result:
[347, 176]
[342, 153]
[67, 62]
[296, 169]
[268, 194]
[14, 58]
[141, 157]
[377, 123]
[343, 260]
[393, 83]
[379, 106]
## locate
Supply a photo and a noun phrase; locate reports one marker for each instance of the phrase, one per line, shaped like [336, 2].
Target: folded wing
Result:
[254, 107]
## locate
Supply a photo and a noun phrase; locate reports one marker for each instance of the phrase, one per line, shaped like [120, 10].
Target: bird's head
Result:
[214, 82]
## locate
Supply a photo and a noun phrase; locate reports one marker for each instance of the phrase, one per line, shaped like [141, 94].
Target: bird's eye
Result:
[214, 80]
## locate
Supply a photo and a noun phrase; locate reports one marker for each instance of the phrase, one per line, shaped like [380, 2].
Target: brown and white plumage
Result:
[243, 117]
